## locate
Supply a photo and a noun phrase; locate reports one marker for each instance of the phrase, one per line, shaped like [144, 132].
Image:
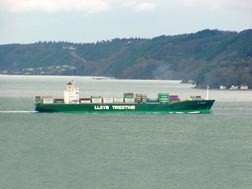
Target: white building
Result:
[234, 87]
[244, 87]
[222, 87]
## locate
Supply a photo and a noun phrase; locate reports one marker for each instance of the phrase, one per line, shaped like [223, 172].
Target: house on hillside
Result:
[234, 87]
[222, 87]
[244, 87]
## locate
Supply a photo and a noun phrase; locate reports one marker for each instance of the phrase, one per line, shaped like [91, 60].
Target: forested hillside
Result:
[208, 57]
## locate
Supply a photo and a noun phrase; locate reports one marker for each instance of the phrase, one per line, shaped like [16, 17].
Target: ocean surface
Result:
[59, 150]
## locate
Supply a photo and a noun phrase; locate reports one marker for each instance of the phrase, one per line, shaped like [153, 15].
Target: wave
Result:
[17, 111]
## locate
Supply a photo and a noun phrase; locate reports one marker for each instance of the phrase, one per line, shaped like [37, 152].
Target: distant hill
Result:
[208, 57]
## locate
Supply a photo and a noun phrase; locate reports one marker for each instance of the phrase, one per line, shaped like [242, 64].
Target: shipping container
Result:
[58, 100]
[85, 101]
[47, 100]
[129, 100]
[38, 100]
[163, 102]
[152, 100]
[138, 100]
[163, 94]
[107, 100]
[96, 100]
[128, 95]
[85, 98]
[195, 97]
[174, 98]
[118, 100]
[144, 101]
[163, 99]
[177, 100]
[96, 97]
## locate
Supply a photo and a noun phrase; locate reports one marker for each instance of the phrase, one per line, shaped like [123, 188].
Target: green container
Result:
[128, 95]
[95, 96]
[163, 94]
[38, 100]
[163, 102]
[59, 102]
[160, 99]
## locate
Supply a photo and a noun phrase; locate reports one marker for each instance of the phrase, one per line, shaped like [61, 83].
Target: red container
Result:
[85, 98]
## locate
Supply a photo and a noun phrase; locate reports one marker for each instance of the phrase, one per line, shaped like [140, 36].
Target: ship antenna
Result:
[207, 92]
[73, 81]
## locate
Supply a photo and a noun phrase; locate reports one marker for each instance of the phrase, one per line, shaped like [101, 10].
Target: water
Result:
[60, 150]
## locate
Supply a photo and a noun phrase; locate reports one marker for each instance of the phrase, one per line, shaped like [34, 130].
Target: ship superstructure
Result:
[71, 94]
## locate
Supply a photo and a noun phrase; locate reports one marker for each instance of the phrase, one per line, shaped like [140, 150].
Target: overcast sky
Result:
[28, 21]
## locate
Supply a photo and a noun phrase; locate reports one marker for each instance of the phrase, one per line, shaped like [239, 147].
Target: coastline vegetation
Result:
[208, 57]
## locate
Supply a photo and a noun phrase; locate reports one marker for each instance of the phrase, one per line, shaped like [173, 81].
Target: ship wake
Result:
[17, 112]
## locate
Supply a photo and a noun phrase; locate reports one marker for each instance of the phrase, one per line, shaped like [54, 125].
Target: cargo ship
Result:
[128, 103]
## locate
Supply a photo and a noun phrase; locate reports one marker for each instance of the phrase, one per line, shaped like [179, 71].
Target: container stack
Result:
[38, 99]
[163, 98]
[85, 100]
[96, 99]
[47, 100]
[144, 99]
[174, 98]
[129, 98]
[141, 98]
[138, 98]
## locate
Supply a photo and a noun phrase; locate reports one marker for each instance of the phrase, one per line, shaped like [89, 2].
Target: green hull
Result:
[190, 106]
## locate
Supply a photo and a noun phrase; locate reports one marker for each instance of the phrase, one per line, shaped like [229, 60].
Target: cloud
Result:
[211, 5]
[93, 6]
[220, 4]
[139, 5]
[145, 7]
[53, 5]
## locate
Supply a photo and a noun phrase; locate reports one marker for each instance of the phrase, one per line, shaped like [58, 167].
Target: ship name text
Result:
[115, 107]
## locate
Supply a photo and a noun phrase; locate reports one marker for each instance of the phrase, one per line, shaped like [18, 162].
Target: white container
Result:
[108, 100]
[96, 100]
[129, 100]
[47, 100]
[85, 101]
[118, 100]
